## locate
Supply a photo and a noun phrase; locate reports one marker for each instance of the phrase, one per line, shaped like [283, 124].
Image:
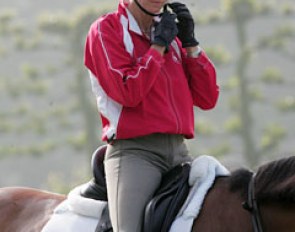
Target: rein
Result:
[252, 206]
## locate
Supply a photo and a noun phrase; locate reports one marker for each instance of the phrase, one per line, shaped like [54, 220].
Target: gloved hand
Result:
[165, 31]
[185, 24]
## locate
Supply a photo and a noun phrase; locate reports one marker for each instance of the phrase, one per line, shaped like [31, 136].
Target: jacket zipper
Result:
[173, 107]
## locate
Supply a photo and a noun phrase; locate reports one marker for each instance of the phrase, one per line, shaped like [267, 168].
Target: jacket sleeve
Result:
[123, 78]
[202, 81]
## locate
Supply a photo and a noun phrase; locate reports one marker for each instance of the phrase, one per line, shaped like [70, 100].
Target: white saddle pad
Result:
[78, 214]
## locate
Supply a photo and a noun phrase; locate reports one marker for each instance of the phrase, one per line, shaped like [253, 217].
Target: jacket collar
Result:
[132, 24]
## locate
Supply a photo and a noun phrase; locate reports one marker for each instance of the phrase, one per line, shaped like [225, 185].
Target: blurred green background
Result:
[49, 125]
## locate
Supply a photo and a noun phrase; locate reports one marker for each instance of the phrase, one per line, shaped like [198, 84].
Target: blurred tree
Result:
[73, 30]
[240, 13]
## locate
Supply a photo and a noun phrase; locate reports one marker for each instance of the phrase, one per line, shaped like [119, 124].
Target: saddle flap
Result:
[169, 198]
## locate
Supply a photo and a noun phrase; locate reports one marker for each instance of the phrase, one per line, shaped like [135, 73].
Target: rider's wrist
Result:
[194, 52]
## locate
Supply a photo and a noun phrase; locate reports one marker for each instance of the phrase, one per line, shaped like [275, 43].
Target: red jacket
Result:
[138, 91]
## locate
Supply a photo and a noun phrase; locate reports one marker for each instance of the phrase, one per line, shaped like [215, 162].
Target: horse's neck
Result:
[222, 211]
[278, 217]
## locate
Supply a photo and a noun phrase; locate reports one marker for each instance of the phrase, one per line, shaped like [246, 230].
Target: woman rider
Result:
[147, 72]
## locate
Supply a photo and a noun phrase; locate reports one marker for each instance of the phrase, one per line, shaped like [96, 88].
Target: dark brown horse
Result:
[273, 188]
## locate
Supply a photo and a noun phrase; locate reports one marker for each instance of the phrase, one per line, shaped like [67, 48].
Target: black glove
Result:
[185, 24]
[165, 31]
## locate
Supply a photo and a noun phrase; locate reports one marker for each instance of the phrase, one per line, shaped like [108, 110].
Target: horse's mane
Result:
[239, 181]
[274, 182]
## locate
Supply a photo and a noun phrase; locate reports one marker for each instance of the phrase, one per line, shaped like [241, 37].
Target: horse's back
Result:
[25, 209]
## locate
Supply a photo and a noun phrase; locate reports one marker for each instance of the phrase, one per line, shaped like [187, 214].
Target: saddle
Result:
[96, 188]
[160, 211]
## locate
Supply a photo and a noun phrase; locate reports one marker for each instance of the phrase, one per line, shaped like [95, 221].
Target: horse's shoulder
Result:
[221, 184]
